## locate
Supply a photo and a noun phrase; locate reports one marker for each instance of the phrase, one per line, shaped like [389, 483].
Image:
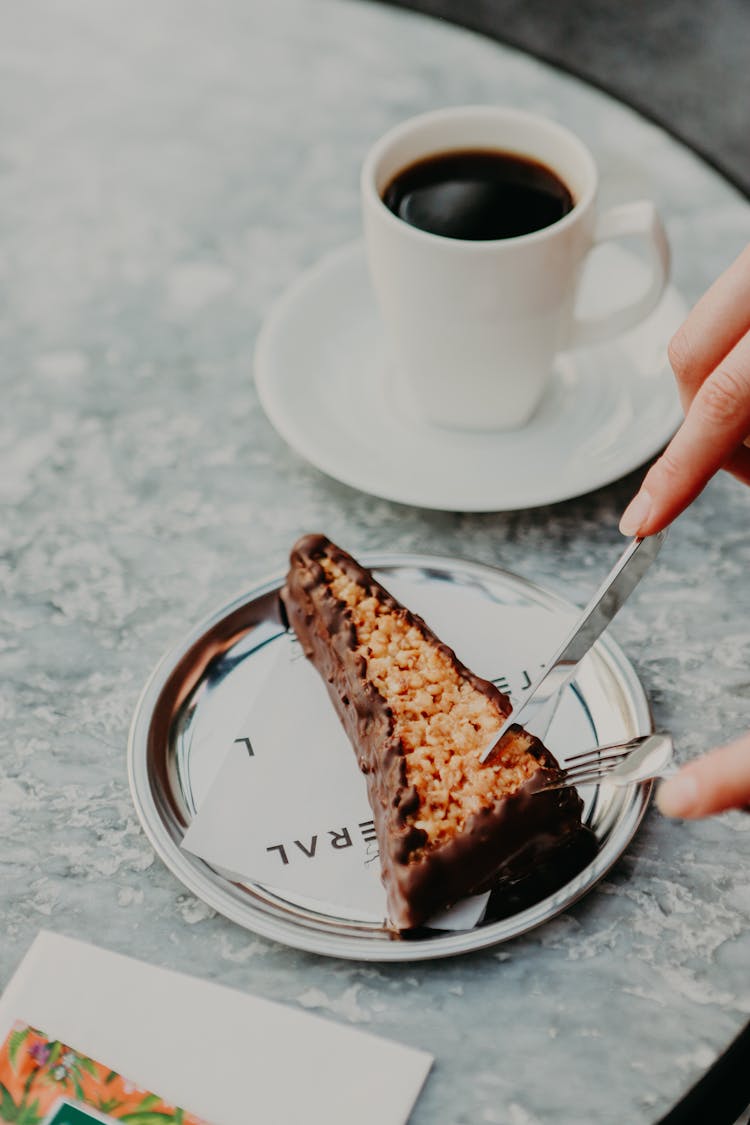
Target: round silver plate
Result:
[204, 683]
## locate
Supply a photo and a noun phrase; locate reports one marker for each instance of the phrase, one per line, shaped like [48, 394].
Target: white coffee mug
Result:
[474, 326]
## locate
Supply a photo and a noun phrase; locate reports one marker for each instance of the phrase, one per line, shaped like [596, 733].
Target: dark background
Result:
[683, 63]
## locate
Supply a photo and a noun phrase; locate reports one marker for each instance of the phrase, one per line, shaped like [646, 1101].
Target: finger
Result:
[716, 324]
[718, 781]
[713, 433]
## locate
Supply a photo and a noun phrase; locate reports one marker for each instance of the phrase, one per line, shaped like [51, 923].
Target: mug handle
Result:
[639, 218]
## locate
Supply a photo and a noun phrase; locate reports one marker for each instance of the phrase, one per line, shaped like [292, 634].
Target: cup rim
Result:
[380, 147]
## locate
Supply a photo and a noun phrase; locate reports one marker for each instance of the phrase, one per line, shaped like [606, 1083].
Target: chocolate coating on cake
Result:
[505, 838]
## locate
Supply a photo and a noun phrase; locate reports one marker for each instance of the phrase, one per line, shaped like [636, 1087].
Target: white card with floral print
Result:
[231, 1057]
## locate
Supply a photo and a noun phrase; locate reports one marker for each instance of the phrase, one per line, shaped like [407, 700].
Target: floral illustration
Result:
[37, 1072]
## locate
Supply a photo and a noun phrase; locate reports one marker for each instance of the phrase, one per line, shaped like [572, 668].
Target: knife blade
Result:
[536, 709]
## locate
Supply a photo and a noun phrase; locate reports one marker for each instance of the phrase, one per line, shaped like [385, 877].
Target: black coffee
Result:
[478, 195]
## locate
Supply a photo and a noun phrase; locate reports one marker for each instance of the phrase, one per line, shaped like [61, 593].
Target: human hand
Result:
[710, 356]
[718, 781]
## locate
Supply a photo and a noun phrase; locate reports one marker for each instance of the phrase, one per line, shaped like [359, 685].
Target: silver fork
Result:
[619, 763]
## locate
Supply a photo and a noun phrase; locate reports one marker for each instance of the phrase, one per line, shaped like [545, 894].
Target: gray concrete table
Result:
[165, 172]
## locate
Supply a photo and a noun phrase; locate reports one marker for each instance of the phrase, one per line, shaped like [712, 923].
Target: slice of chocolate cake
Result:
[447, 825]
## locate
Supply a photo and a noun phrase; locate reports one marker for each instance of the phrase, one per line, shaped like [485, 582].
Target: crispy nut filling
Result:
[442, 720]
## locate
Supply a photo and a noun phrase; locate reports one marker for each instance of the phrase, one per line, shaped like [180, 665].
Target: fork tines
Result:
[642, 757]
[589, 775]
[594, 765]
[604, 753]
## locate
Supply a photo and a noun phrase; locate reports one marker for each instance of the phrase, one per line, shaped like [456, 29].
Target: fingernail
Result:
[636, 513]
[678, 796]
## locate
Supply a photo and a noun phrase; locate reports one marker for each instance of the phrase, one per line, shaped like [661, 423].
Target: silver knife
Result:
[538, 706]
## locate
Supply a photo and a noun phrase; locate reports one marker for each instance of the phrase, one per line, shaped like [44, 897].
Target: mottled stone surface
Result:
[165, 171]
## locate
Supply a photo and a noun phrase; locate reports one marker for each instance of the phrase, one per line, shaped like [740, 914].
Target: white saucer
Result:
[328, 387]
